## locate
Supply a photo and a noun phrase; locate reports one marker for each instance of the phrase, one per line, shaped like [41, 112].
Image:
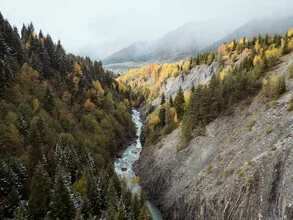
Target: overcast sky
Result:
[85, 25]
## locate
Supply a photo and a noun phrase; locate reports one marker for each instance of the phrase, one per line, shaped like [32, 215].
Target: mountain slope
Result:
[234, 171]
[175, 45]
[255, 27]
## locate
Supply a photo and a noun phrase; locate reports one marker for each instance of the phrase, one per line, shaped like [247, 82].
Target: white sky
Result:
[82, 23]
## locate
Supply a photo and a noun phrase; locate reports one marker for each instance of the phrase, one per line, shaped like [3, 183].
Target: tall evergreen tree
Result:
[179, 103]
[49, 100]
[162, 111]
[39, 192]
[135, 207]
[62, 206]
[144, 213]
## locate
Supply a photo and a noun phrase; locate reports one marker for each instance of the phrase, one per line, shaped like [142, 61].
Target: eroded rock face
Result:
[199, 74]
[230, 173]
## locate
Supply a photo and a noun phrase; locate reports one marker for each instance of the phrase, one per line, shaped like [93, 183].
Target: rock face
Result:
[241, 169]
[199, 74]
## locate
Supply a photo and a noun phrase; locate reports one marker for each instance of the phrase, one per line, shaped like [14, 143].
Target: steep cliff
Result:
[241, 169]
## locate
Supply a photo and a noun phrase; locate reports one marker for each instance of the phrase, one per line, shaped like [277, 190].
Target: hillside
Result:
[240, 168]
[63, 119]
[217, 136]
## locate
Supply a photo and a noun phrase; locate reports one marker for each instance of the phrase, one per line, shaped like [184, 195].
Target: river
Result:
[129, 156]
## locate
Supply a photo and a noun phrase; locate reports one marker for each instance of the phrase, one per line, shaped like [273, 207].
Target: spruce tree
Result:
[93, 193]
[86, 209]
[39, 192]
[179, 103]
[112, 199]
[135, 207]
[171, 103]
[121, 215]
[145, 213]
[49, 100]
[12, 202]
[62, 206]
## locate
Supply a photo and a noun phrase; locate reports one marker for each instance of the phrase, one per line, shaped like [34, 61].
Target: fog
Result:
[98, 28]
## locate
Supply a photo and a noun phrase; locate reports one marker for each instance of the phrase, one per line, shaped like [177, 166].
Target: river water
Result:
[123, 165]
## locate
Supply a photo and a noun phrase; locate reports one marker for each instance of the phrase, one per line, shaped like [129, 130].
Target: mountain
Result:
[62, 121]
[255, 27]
[175, 45]
[192, 38]
[217, 137]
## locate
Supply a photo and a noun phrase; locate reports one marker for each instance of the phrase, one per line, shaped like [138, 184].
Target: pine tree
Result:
[86, 209]
[126, 198]
[112, 199]
[103, 187]
[21, 212]
[285, 45]
[162, 115]
[121, 215]
[62, 206]
[93, 193]
[163, 99]
[39, 192]
[171, 102]
[213, 97]
[49, 100]
[12, 202]
[135, 207]
[179, 103]
[144, 213]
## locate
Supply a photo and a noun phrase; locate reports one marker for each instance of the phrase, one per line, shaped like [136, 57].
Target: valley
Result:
[196, 123]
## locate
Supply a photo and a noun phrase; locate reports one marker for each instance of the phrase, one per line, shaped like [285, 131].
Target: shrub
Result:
[273, 86]
[240, 172]
[249, 179]
[219, 182]
[251, 124]
[209, 168]
[291, 71]
[273, 148]
[269, 130]
[290, 107]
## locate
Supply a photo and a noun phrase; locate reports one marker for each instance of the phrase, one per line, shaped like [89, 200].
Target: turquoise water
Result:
[131, 154]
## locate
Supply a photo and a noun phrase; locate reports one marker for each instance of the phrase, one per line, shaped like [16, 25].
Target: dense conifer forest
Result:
[63, 118]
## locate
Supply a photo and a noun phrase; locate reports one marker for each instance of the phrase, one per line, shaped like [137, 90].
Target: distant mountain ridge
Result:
[194, 37]
[175, 45]
[255, 27]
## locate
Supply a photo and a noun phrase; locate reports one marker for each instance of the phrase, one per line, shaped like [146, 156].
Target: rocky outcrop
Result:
[241, 169]
[199, 74]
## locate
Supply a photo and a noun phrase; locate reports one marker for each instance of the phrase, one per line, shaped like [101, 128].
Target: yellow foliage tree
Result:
[66, 97]
[187, 95]
[231, 46]
[98, 87]
[290, 32]
[153, 120]
[75, 82]
[88, 105]
[256, 60]
[36, 105]
[257, 47]
[223, 49]
[77, 68]
[222, 74]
